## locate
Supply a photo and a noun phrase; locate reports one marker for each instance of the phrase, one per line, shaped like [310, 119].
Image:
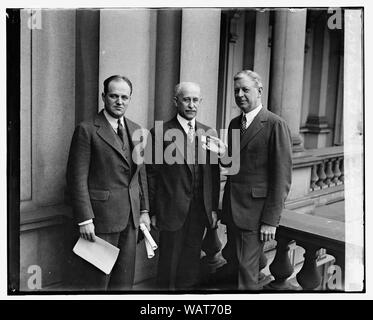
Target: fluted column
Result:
[287, 69]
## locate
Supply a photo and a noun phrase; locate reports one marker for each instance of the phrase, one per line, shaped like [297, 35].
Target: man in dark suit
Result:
[254, 197]
[108, 190]
[183, 190]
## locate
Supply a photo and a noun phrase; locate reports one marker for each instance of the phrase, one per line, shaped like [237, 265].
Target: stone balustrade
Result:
[326, 166]
[327, 173]
[312, 233]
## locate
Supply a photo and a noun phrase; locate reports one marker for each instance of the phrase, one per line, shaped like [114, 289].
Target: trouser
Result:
[180, 251]
[122, 274]
[242, 252]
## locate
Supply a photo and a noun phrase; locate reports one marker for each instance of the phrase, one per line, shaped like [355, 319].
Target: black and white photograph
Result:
[185, 150]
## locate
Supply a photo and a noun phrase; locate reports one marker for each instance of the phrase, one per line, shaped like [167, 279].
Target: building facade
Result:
[310, 61]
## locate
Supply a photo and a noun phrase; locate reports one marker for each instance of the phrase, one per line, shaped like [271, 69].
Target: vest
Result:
[196, 169]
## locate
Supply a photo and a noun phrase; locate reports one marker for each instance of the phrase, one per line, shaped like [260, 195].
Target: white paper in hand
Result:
[150, 244]
[149, 249]
[100, 253]
[148, 236]
[211, 144]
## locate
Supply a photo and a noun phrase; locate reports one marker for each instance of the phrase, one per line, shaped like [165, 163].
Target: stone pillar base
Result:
[297, 142]
[316, 132]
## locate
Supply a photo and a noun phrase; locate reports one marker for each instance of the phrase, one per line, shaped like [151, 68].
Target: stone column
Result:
[52, 104]
[234, 62]
[287, 69]
[317, 126]
[87, 63]
[167, 69]
[199, 59]
[128, 47]
[262, 56]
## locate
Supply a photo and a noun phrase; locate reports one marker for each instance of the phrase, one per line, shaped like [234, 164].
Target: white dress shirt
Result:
[184, 123]
[113, 121]
[251, 115]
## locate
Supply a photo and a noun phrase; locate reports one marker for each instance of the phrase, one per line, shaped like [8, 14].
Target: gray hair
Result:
[250, 74]
[180, 86]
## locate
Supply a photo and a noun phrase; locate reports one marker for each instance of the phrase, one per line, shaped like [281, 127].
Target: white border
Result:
[192, 3]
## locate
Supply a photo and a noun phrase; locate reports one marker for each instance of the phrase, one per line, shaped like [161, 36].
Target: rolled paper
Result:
[148, 236]
[149, 249]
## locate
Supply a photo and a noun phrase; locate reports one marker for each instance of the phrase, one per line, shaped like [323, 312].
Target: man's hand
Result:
[214, 220]
[145, 219]
[87, 231]
[215, 145]
[267, 232]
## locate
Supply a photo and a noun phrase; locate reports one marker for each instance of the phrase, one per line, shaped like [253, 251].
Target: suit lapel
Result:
[131, 128]
[106, 132]
[253, 128]
[201, 152]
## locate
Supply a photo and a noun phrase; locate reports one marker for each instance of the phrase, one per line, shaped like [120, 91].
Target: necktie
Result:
[190, 132]
[120, 130]
[122, 135]
[243, 124]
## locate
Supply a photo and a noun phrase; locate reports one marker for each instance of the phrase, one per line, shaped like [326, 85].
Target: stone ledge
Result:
[44, 217]
[314, 156]
[322, 229]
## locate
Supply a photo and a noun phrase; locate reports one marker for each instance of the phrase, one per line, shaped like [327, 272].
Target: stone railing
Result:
[327, 168]
[318, 179]
[312, 233]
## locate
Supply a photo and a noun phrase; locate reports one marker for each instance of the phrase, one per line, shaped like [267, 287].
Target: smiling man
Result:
[108, 190]
[254, 197]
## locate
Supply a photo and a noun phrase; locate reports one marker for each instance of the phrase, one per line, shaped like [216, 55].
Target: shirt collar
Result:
[253, 113]
[113, 121]
[184, 123]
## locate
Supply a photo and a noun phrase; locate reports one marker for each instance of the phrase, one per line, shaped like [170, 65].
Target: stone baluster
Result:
[309, 277]
[281, 267]
[329, 172]
[321, 174]
[263, 261]
[314, 177]
[342, 176]
[211, 245]
[263, 279]
[336, 171]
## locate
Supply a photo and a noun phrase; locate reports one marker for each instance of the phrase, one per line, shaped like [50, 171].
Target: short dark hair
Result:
[114, 78]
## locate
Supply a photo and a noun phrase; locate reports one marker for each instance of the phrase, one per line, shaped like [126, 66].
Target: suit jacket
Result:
[256, 194]
[170, 185]
[101, 184]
